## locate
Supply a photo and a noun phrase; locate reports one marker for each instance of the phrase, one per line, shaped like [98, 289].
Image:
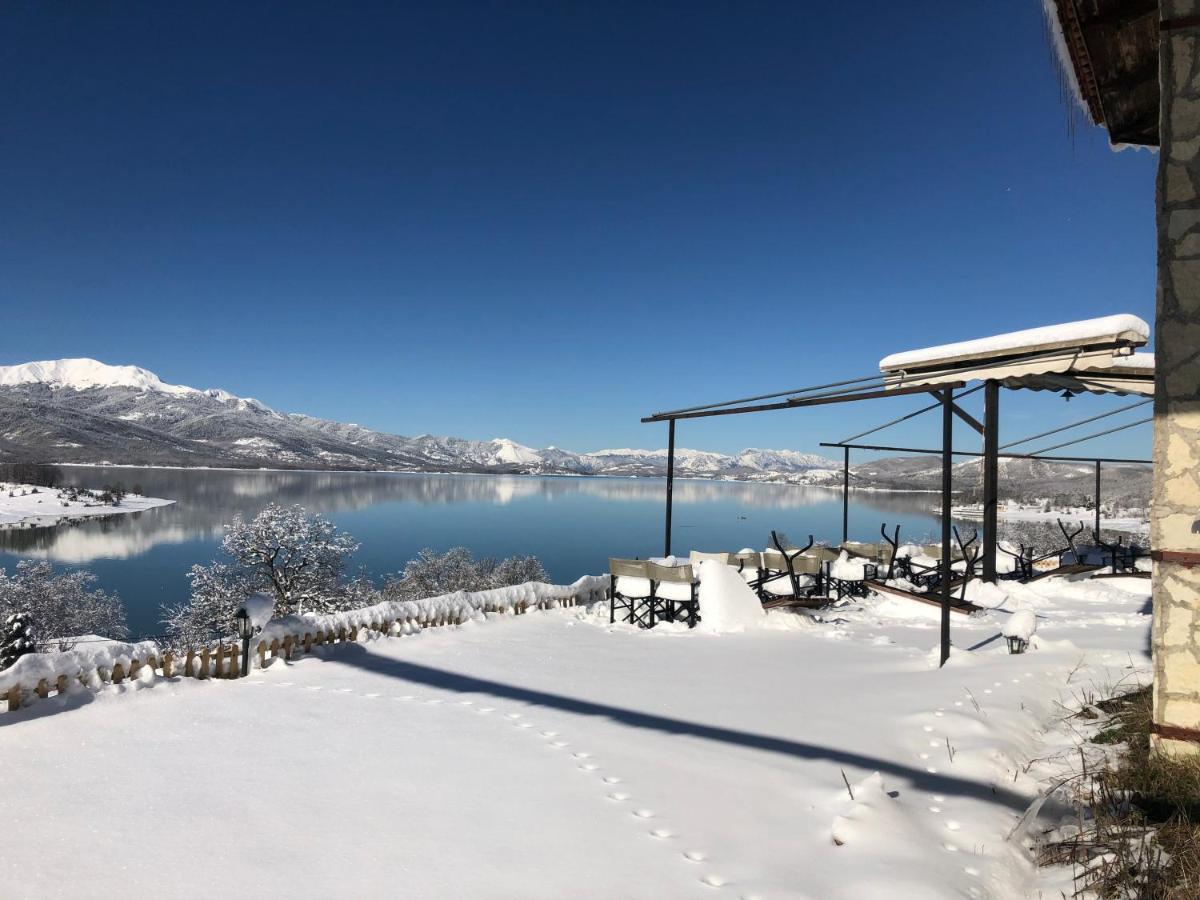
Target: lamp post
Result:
[245, 628]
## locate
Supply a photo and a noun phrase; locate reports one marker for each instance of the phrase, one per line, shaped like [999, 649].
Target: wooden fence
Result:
[224, 659]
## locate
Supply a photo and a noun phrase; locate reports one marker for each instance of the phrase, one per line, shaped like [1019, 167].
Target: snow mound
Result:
[873, 815]
[846, 569]
[1021, 624]
[260, 608]
[726, 601]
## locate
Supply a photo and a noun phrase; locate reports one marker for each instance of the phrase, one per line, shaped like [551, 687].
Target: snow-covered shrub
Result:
[295, 557]
[60, 606]
[16, 640]
[431, 574]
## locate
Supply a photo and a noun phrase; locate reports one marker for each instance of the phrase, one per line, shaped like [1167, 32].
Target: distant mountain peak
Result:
[84, 373]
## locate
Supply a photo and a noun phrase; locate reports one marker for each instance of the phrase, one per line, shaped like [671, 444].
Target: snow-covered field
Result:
[553, 755]
[28, 504]
[1016, 512]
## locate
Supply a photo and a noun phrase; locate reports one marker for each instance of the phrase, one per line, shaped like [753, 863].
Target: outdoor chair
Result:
[868, 554]
[895, 562]
[878, 555]
[749, 565]
[776, 580]
[1024, 558]
[674, 594]
[929, 575]
[1076, 556]
[1121, 557]
[631, 589]
[696, 557]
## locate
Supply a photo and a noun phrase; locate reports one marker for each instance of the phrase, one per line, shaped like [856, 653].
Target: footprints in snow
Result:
[585, 764]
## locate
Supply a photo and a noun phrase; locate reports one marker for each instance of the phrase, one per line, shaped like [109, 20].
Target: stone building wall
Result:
[1175, 523]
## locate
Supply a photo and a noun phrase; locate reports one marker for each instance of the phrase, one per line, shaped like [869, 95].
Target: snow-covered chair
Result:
[795, 576]
[875, 555]
[749, 565]
[848, 573]
[630, 589]
[1120, 556]
[674, 594]
[696, 557]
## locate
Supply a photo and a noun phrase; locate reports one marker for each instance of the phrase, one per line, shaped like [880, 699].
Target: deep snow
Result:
[552, 755]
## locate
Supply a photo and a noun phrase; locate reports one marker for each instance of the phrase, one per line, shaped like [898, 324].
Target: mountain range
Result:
[85, 411]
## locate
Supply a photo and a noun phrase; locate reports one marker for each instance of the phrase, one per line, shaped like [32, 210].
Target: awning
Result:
[1092, 356]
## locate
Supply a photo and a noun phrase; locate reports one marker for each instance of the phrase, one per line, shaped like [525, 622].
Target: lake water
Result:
[572, 524]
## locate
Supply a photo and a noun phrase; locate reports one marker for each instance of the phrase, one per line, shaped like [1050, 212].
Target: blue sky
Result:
[543, 220]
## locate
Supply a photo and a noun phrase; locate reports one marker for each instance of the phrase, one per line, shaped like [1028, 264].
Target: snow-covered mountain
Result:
[82, 410]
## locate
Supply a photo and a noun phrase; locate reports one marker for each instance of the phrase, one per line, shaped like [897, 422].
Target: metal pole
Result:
[947, 465]
[1097, 500]
[245, 657]
[991, 475]
[845, 494]
[670, 482]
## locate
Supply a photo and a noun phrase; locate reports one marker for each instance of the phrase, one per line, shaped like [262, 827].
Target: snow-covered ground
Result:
[1016, 512]
[29, 504]
[553, 755]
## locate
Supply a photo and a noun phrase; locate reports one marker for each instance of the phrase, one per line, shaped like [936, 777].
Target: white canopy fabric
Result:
[1093, 355]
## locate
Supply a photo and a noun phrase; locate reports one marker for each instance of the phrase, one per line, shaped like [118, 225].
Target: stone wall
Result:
[1175, 521]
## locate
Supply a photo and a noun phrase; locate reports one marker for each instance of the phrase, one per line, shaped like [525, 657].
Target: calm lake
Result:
[572, 524]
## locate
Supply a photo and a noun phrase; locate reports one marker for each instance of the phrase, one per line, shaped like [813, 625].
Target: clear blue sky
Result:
[543, 220]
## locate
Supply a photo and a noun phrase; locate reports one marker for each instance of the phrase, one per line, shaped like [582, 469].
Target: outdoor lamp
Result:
[245, 628]
[1016, 644]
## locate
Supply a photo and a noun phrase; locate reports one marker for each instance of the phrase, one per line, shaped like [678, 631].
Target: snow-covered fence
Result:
[87, 666]
[111, 662]
[395, 618]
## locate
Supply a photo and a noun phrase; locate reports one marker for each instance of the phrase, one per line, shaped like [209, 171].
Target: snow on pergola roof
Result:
[1094, 355]
[1121, 330]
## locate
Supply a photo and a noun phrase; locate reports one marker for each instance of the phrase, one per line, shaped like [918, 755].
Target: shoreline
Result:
[706, 479]
[21, 510]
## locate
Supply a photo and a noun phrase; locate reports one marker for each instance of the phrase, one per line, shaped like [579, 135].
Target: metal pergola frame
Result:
[1097, 461]
[877, 387]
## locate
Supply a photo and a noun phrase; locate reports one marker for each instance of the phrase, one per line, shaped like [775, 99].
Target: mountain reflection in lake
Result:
[572, 524]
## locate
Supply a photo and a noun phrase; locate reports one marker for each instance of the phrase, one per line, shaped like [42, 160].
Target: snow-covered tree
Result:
[518, 570]
[217, 591]
[431, 574]
[60, 606]
[296, 557]
[16, 640]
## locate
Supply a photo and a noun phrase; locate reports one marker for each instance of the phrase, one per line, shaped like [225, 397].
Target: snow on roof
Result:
[1143, 361]
[1119, 330]
[1062, 55]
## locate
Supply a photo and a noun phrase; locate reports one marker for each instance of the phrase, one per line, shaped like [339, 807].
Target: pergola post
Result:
[670, 483]
[845, 494]
[1097, 500]
[991, 475]
[947, 474]
[1175, 515]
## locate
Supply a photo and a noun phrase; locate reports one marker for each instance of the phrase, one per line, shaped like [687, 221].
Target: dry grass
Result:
[1138, 835]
